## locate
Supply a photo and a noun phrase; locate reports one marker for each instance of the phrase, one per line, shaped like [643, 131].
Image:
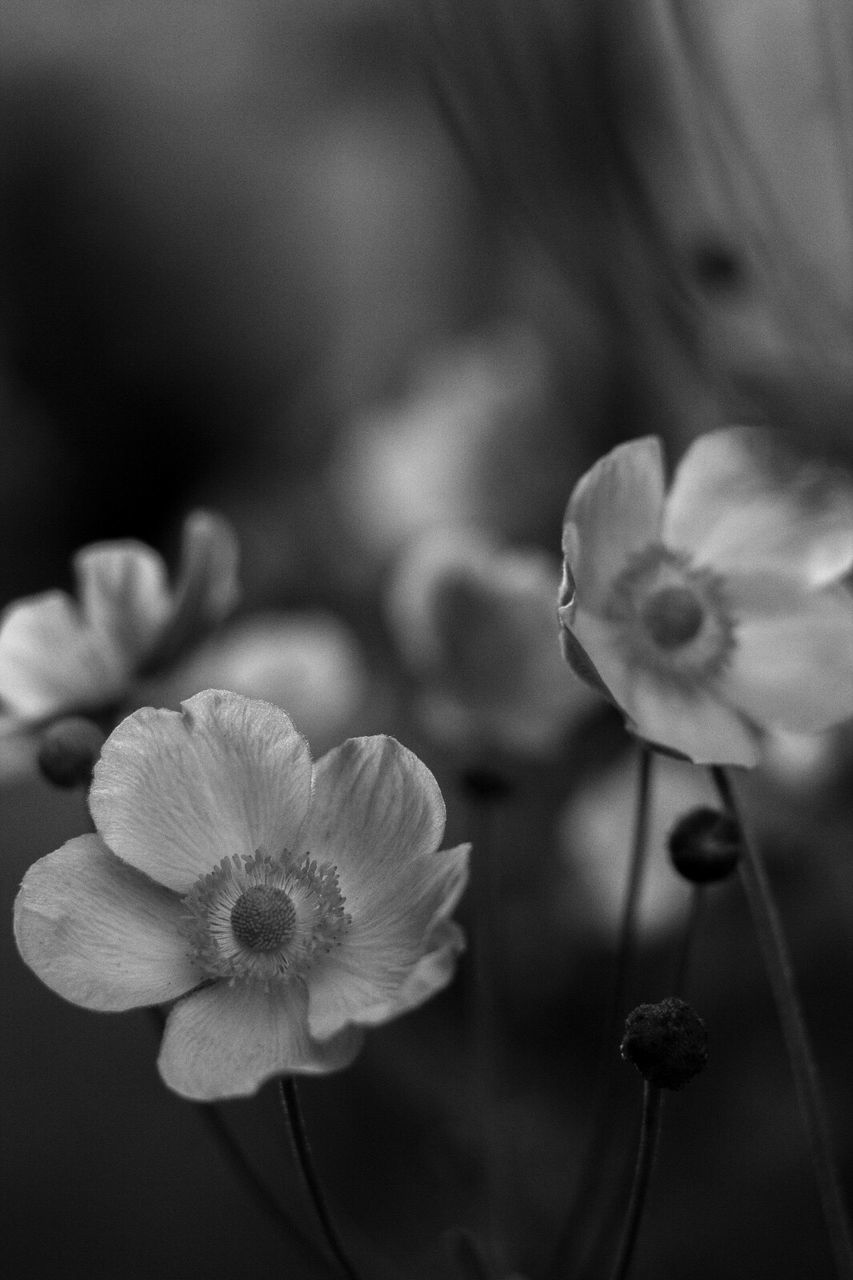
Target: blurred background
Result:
[348, 271]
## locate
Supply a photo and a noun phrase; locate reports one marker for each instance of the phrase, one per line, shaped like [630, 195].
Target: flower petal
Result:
[700, 726]
[123, 594]
[375, 811]
[206, 588]
[175, 793]
[225, 1041]
[373, 974]
[614, 511]
[99, 933]
[793, 665]
[50, 661]
[733, 511]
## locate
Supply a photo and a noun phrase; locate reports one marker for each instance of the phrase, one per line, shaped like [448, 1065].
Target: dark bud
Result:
[667, 1043]
[705, 845]
[68, 751]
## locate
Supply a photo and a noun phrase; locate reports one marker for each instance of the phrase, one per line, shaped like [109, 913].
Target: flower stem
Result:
[780, 972]
[649, 1134]
[595, 1165]
[299, 1138]
[243, 1171]
[486, 1043]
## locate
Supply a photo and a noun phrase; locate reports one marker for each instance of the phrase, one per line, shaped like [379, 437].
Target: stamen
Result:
[265, 919]
[672, 619]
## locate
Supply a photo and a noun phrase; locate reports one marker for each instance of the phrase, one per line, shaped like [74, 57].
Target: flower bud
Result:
[705, 845]
[68, 750]
[667, 1043]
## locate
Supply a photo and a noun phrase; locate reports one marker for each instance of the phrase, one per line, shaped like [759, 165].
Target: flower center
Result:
[263, 918]
[673, 616]
[671, 619]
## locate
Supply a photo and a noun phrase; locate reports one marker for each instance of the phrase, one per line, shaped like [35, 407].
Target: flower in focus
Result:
[284, 906]
[61, 655]
[717, 609]
[476, 625]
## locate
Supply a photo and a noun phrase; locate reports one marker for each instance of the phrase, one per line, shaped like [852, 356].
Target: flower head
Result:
[476, 625]
[284, 906]
[718, 608]
[60, 655]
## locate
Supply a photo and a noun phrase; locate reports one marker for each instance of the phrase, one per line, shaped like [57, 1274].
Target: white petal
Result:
[793, 665]
[99, 933]
[614, 511]
[701, 727]
[123, 594]
[210, 557]
[734, 512]
[225, 1041]
[51, 662]
[371, 975]
[175, 793]
[375, 811]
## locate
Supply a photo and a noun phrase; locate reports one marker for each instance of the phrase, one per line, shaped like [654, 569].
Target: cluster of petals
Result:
[62, 654]
[475, 624]
[203, 819]
[719, 608]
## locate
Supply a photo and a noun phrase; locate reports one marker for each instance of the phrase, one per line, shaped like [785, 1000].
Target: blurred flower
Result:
[289, 904]
[719, 608]
[422, 462]
[309, 663]
[60, 655]
[476, 625]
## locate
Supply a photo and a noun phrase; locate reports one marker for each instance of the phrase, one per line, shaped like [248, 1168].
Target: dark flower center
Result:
[263, 918]
[672, 616]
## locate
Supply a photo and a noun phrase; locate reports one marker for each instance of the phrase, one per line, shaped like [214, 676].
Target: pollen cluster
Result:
[265, 919]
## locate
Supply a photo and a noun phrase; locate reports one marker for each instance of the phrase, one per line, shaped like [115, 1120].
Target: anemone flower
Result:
[475, 623]
[60, 655]
[718, 609]
[282, 906]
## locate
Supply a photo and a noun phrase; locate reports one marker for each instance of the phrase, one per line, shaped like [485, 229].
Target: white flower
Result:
[718, 608]
[284, 906]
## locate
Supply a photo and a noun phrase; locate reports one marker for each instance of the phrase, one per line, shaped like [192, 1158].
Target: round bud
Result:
[667, 1043]
[705, 845]
[68, 750]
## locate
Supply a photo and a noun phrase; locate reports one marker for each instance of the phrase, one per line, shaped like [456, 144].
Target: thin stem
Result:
[649, 1134]
[594, 1164]
[780, 972]
[697, 901]
[242, 1170]
[486, 1043]
[299, 1138]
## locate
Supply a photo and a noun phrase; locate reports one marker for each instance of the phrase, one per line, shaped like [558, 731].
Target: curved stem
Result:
[243, 1171]
[594, 1164]
[299, 1138]
[649, 1134]
[780, 972]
